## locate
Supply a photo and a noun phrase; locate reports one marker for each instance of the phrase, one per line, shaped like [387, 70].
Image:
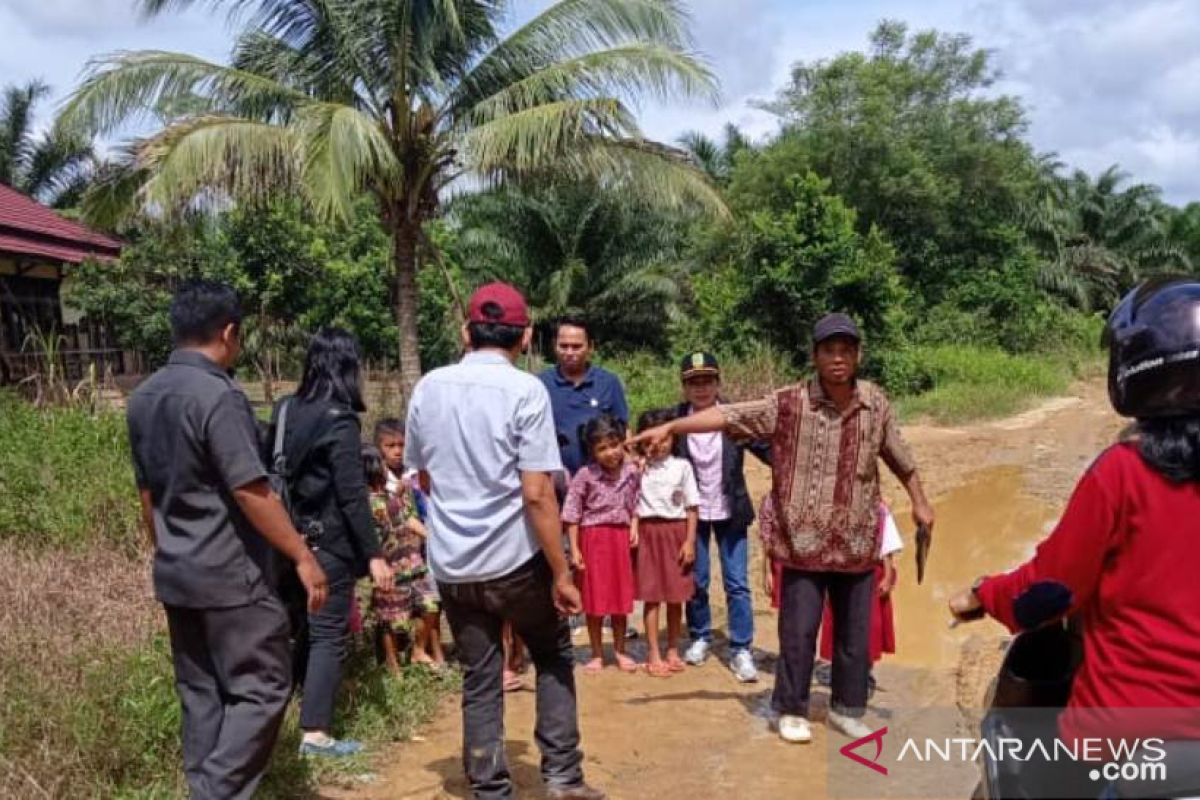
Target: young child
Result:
[883, 633]
[389, 438]
[665, 532]
[406, 607]
[598, 513]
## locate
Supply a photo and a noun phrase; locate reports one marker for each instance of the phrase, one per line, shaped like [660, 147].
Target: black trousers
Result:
[233, 676]
[800, 610]
[323, 645]
[476, 612]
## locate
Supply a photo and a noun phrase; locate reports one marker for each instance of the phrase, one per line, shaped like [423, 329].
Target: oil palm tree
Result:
[1101, 238]
[327, 99]
[716, 158]
[580, 248]
[54, 167]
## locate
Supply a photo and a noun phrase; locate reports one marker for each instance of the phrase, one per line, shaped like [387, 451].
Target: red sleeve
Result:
[1071, 557]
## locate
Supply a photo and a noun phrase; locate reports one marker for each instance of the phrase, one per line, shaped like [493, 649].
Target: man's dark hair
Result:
[655, 417]
[388, 426]
[373, 469]
[599, 429]
[1171, 446]
[493, 334]
[573, 321]
[201, 309]
[332, 370]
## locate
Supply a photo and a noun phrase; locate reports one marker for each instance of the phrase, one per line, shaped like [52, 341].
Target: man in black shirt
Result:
[214, 521]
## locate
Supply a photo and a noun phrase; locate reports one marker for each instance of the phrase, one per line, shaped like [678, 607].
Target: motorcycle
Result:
[1033, 682]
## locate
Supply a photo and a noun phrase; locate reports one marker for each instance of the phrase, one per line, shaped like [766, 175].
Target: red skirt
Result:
[883, 630]
[660, 579]
[606, 581]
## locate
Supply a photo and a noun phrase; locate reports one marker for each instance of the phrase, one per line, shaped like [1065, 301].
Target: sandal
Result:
[593, 666]
[626, 664]
[675, 664]
[659, 669]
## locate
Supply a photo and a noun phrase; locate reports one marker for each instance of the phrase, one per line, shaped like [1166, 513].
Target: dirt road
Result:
[997, 488]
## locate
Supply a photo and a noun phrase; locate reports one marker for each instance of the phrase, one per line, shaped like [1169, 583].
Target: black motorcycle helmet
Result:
[1153, 336]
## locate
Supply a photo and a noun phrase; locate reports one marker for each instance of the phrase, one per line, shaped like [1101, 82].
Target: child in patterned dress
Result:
[405, 608]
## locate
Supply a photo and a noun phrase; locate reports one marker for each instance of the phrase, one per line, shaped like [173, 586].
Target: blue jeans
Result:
[733, 549]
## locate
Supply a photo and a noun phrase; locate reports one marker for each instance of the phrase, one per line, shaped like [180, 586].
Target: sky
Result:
[1103, 81]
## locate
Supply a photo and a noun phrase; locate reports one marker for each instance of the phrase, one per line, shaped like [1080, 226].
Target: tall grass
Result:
[969, 383]
[65, 477]
[87, 698]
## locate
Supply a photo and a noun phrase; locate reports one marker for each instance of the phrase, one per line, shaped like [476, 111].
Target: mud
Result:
[996, 487]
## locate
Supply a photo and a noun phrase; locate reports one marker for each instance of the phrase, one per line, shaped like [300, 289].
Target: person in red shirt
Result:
[1124, 557]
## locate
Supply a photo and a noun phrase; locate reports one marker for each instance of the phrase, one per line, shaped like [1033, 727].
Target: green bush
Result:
[65, 477]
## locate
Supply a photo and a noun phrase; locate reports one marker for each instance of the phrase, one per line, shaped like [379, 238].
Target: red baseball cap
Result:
[513, 310]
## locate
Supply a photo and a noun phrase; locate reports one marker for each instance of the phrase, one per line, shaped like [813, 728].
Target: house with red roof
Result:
[38, 248]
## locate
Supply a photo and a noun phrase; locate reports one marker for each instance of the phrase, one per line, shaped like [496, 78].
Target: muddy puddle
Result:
[987, 525]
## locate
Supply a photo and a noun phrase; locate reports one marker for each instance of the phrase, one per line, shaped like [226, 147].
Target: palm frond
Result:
[662, 175]
[244, 159]
[537, 137]
[128, 86]
[621, 72]
[344, 152]
[572, 28]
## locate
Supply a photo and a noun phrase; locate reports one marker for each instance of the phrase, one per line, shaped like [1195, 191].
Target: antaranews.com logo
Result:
[907, 759]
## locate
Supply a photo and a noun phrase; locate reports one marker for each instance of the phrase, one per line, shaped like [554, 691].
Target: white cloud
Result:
[1106, 82]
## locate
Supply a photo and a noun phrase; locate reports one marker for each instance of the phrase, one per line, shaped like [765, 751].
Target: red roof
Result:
[29, 228]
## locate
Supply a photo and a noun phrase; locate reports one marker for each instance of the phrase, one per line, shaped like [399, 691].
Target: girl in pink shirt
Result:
[598, 512]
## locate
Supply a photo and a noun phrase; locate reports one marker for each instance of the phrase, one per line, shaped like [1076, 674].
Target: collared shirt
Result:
[825, 472]
[708, 452]
[668, 489]
[194, 441]
[595, 498]
[475, 427]
[600, 392]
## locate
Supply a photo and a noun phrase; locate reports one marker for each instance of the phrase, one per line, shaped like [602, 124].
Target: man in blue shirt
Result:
[578, 391]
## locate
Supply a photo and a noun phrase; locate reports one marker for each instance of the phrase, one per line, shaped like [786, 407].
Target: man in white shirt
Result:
[481, 435]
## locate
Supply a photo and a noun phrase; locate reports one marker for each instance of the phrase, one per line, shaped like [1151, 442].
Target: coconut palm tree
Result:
[1099, 238]
[326, 99]
[55, 167]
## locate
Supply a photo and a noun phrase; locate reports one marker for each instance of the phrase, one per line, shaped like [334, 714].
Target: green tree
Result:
[1099, 238]
[781, 265]
[55, 167]
[399, 98]
[580, 248]
[907, 138]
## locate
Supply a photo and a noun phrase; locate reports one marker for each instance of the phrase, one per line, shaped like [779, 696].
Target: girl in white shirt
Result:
[665, 532]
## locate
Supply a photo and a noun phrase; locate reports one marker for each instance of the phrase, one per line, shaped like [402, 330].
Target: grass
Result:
[65, 478]
[969, 383]
[87, 698]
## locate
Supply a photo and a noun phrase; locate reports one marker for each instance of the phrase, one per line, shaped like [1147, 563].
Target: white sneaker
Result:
[794, 729]
[742, 666]
[696, 653]
[853, 727]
